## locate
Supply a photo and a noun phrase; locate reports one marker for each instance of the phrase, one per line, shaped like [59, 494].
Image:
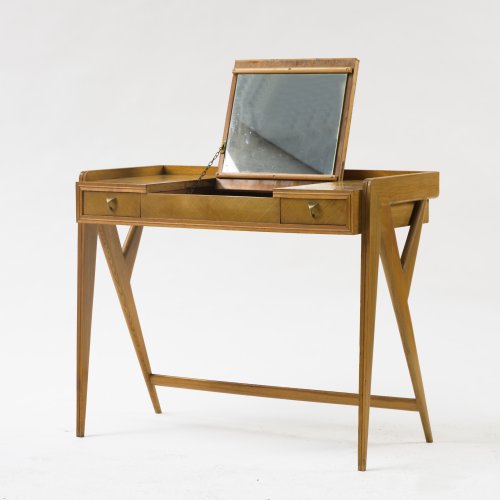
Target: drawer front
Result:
[312, 211]
[119, 204]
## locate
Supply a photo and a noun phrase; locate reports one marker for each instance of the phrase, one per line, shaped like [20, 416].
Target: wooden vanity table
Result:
[267, 180]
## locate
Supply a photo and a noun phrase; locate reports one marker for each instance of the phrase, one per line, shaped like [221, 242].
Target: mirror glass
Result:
[285, 123]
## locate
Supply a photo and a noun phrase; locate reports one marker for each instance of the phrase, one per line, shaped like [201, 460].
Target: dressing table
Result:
[280, 169]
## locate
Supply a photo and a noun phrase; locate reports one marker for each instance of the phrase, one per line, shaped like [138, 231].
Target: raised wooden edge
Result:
[94, 178]
[256, 64]
[109, 179]
[394, 189]
[141, 171]
[319, 195]
[257, 184]
[116, 173]
[363, 174]
[305, 69]
[345, 122]
[227, 122]
[290, 177]
[276, 392]
[347, 65]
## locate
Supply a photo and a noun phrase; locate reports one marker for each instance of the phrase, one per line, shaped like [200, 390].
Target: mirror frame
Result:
[287, 66]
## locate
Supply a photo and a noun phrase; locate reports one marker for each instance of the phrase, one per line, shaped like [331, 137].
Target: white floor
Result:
[208, 446]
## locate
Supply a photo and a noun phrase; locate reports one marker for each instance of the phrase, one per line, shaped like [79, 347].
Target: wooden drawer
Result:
[333, 212]
[118, 204]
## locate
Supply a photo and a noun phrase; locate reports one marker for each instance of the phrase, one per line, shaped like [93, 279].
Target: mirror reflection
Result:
[285, 123]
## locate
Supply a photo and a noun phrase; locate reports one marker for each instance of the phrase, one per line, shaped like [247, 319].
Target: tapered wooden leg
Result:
[370, 250]
[131, 247]
[121, 271]
[87, 243]
[409, 255]
[398, 284]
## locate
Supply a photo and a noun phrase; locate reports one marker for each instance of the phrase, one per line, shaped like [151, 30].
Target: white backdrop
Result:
[101, 84]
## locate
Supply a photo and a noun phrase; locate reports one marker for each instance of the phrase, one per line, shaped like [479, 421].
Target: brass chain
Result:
[210, 163]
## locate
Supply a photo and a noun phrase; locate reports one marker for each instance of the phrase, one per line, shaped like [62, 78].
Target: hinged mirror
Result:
[288, 119]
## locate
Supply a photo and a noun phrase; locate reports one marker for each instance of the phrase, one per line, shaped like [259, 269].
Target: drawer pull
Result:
[314, 209]
[112, 203]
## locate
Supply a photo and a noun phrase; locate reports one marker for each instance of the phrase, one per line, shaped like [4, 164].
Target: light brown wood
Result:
[87, 243]
[225, 133]
[402, 213]
[345, 122]
[295, 63]
[181, 185]
[214, 207]
[315, 211]
[131, 247]
[415, 186]
[325, 189]
[120, 273]
[370, 251]
[255, 184]
[263, 175]
[363, 175]
[292, 393]
[146, 184]
[296, 188]
[220, 225]
[409, 255]
[143, 179]
[398, 289]
[124, 204]
[117, 173]
[193, 215]
[378, 238]
[303, 69]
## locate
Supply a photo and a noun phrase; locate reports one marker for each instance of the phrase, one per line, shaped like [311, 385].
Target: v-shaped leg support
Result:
[399, 273]
[120, 263]
[379, 240]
